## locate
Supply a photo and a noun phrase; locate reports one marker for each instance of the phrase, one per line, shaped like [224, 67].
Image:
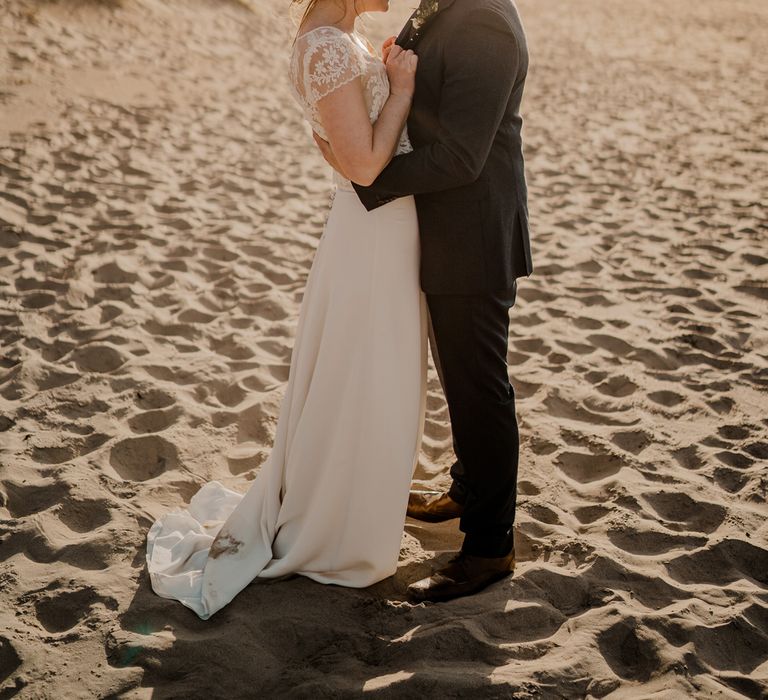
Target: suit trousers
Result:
[469, 336]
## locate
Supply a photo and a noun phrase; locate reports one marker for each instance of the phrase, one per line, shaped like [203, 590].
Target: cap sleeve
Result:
[327, 59]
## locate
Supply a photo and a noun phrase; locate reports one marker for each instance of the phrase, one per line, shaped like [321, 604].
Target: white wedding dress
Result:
[329, 502]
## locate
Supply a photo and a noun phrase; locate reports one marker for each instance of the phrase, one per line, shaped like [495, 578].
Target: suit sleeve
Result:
[481, 61]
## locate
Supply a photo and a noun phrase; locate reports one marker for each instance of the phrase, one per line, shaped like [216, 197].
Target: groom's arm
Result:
[480, 68]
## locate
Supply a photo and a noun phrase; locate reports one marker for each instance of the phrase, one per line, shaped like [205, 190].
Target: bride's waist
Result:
[342, 183]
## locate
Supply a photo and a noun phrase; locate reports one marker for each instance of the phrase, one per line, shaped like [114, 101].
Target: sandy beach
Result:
[160, 204]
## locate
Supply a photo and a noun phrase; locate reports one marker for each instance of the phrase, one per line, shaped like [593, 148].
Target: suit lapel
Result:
[405, 33]
[409, 37]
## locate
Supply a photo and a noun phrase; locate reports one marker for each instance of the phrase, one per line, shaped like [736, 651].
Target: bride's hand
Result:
[401, 71]
[386, 47]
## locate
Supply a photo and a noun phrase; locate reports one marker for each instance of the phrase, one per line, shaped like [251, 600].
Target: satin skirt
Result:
[329, 502]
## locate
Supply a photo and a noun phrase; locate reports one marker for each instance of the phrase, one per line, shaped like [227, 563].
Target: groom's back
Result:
[474, 237]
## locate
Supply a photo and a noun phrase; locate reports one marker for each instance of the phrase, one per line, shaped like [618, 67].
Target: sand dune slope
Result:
[160, 205]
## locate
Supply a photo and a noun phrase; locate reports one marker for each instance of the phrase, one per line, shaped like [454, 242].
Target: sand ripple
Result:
[160, 205]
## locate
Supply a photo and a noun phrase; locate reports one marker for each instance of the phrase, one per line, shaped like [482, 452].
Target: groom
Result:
[466, 172]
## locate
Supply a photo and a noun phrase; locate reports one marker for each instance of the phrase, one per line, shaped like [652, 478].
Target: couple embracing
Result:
[426, 236]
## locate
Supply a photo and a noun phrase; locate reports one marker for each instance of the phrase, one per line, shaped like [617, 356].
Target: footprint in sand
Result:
[182, 330]
[437, 430]
[741, 644]
[585, 467]
[541, 446]
[681, 512]
[195, 316]
[53, 447]
[279, 373]
[654, 360]
[457, 641]
[722, 405]
[577, 348]
[116, 272]
[278, 349]
[177, 374]
[689, 457]
[714, 441]
[258, 382]
[759, 450]
[220, 253]
[543, 514]
[602, 405]
[56, 350]
[82, 409]
[702, 341]
[730, 480]
[651, 591]
[611, 344]
[734, 432]
[33, 541]
[97, 358]
[522, 622]
[559, 407]
[149, 399]
[534, 345]
[630, 655]
[37, 300]
[517, 358]
[531, 294]
[568, 594]
[60, 611]
[22, 500]
[154, 421]
[143, 458]
[244, 323]
[576, 438]
[652, 542]
[230, 394]
[587, 324]
[721, 564]
[590, 514]
[526, 488]
[737, 460]
[49, 379]
[84, 516]
[557, 359]
[633, 441]
[266, 308]
[668, 399]
[232, 346]
[528, 320]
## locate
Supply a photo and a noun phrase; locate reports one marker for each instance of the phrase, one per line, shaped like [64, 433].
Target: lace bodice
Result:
[324, 59]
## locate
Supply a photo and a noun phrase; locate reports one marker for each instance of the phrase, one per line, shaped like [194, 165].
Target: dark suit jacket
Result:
[466, 170]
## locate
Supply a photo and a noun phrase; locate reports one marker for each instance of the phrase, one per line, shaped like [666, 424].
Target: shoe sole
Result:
[437, 598]
[433, 518]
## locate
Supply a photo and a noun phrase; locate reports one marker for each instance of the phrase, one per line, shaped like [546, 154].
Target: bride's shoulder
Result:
[324, 47]
[324, 58]
[323, 40]
[321, 33]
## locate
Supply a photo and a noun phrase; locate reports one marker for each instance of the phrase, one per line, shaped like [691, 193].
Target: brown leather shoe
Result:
[464, 574]
[432, 506]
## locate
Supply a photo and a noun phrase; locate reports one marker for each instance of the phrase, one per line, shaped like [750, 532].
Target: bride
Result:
[329, 502]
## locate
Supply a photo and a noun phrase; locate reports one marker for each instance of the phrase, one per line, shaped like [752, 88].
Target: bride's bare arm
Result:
[362, 149]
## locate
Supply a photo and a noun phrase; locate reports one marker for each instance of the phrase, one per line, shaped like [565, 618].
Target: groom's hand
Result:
[327, 151]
